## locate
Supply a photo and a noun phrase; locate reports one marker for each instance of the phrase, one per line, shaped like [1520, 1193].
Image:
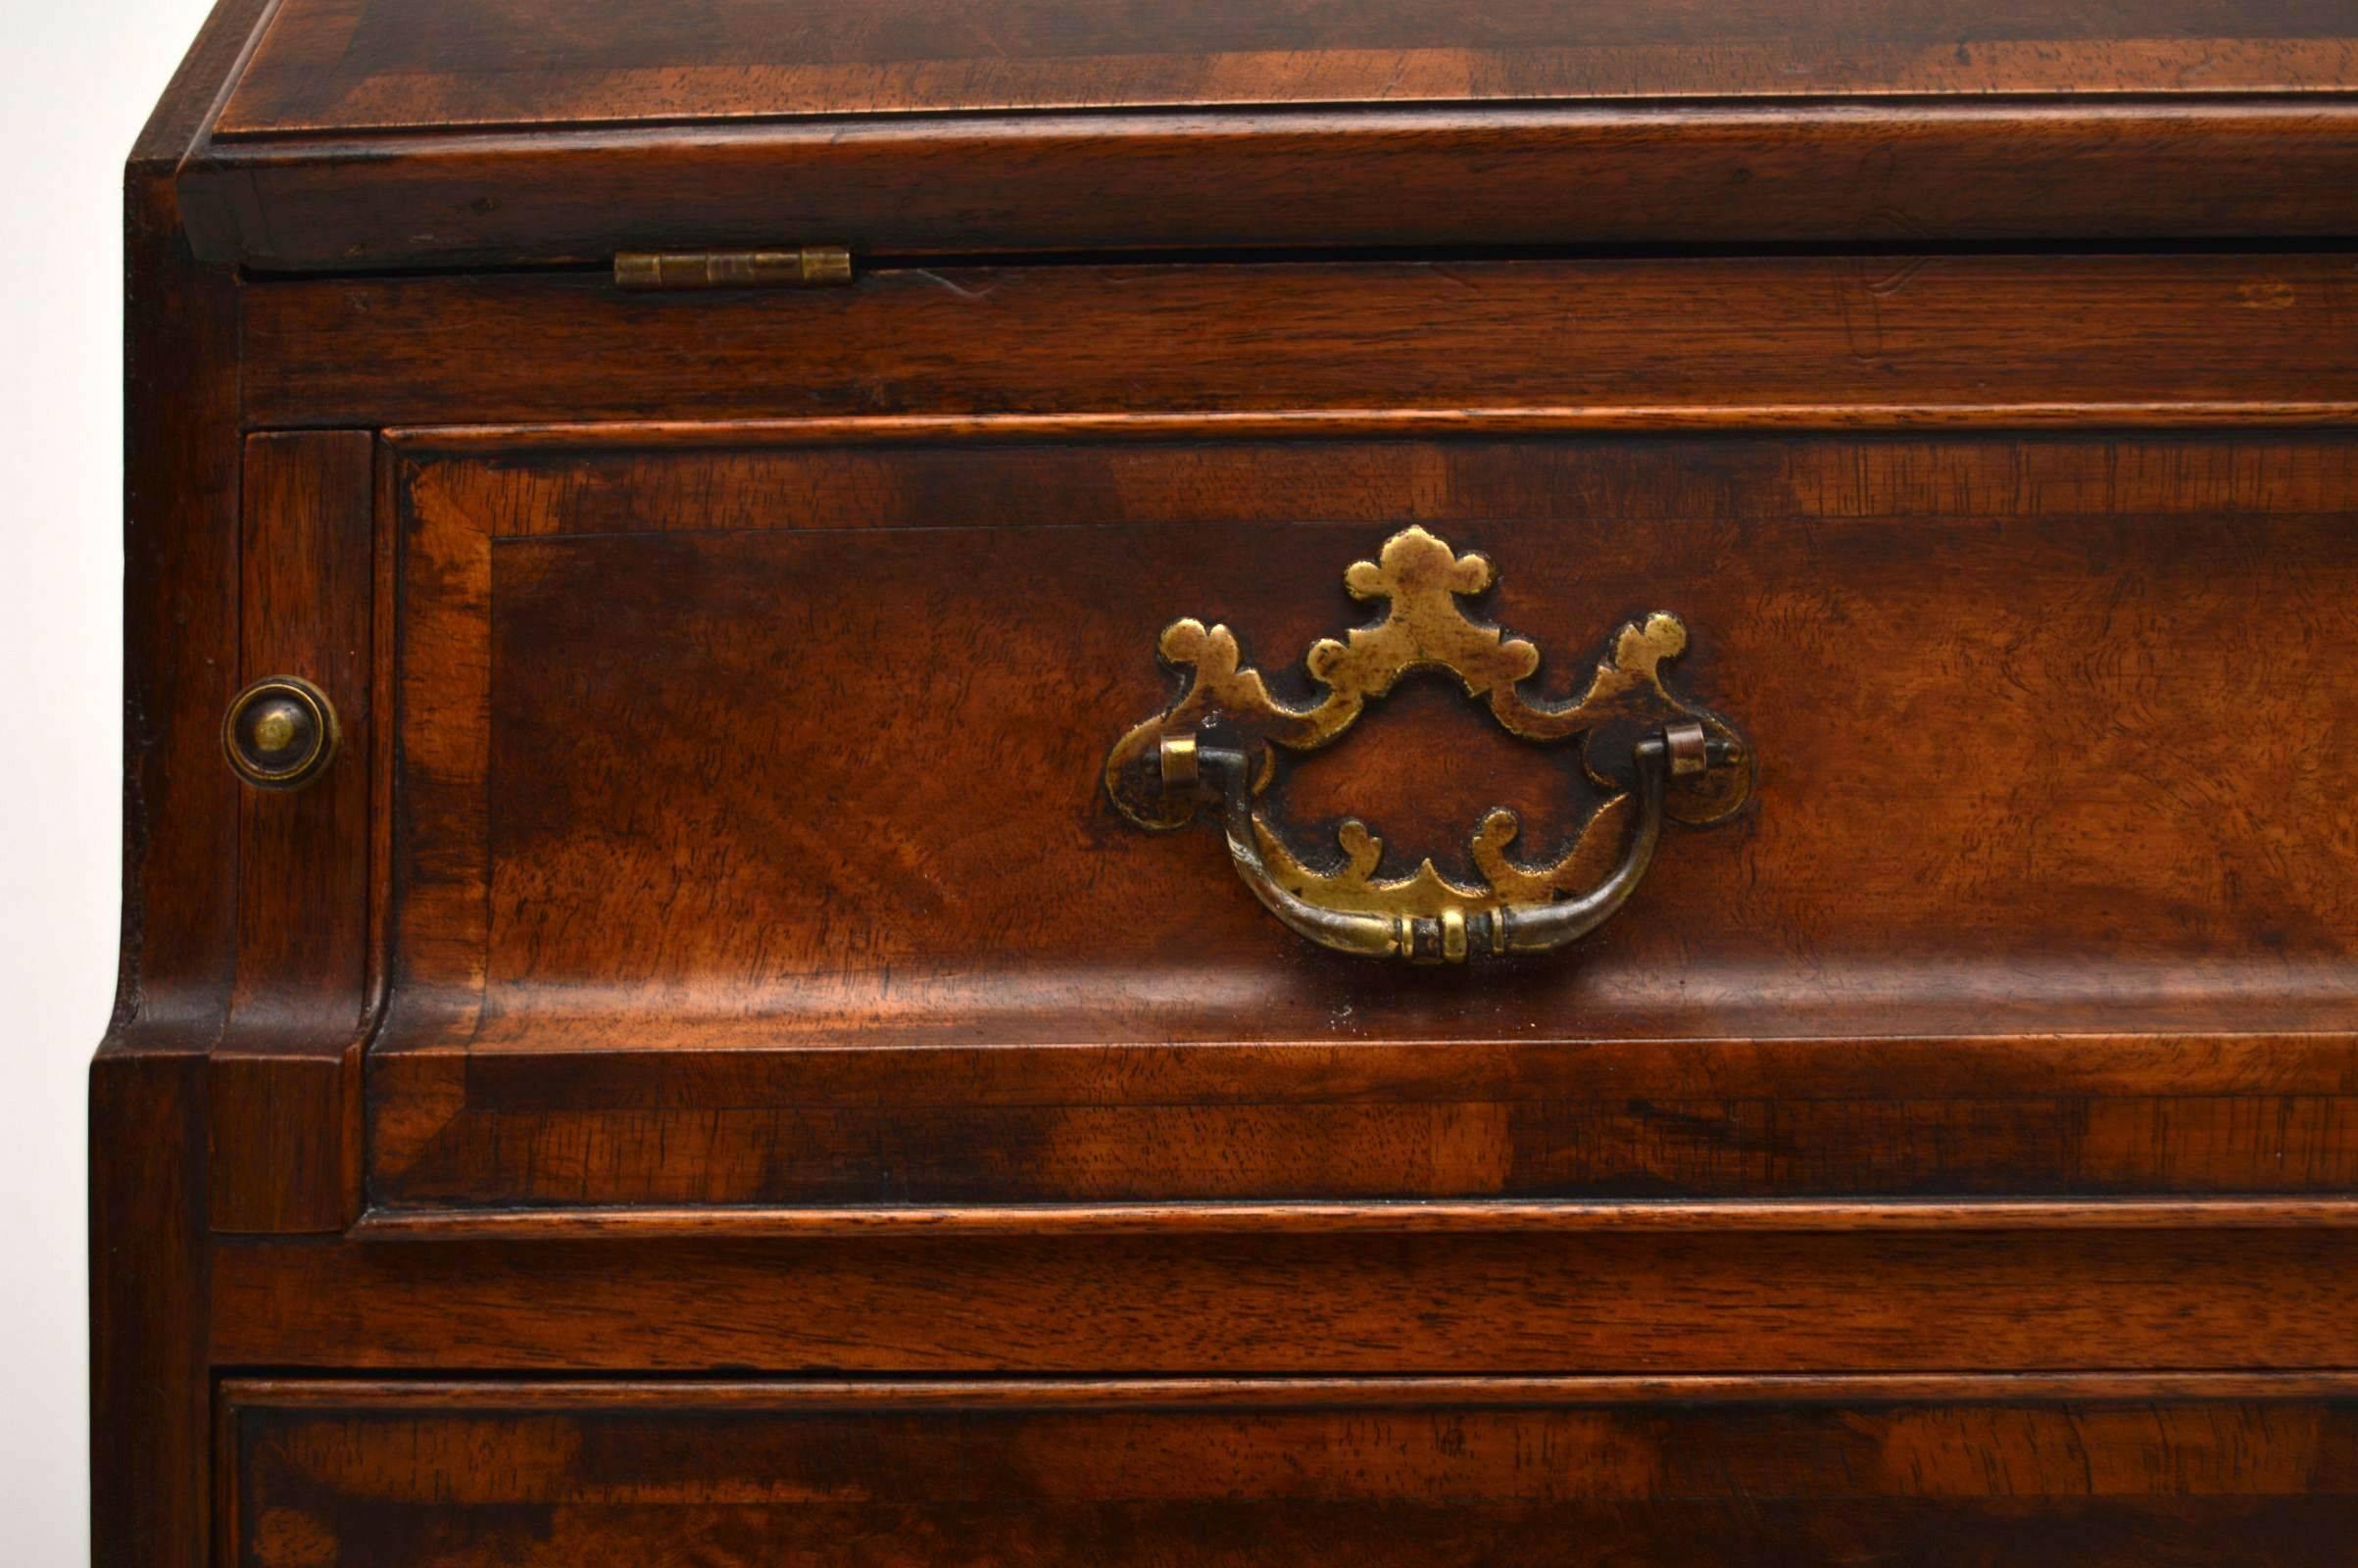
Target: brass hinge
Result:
[809, 267]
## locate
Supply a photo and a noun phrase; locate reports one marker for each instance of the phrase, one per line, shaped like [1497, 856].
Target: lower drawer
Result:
[2179, 1469]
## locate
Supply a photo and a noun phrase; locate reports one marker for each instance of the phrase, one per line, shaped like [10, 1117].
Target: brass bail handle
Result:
[1453, 934]
[1219, 744]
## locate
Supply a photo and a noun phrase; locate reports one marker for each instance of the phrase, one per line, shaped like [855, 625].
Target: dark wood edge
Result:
[849, 1071]
[181, 460]
[201, 86]
[1329, 423]
[149, 1322]
[227, 1529]
[1718, 1215]
[150, 1425]
[384, 735]
[976, 185]
[1179, 1394]
[1230, 114]
[1803, 115]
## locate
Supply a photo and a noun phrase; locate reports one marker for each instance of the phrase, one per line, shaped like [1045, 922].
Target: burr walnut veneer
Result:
[1413, 784]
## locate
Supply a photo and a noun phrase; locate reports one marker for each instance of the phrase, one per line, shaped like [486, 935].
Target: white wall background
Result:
[81, 78]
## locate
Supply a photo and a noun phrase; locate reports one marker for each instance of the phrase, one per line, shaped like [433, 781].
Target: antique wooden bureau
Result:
[1088, 782]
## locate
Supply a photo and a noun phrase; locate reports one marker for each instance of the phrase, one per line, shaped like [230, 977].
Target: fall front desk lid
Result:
[363, 134]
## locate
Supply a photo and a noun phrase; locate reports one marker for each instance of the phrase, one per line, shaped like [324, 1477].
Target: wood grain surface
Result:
[1720, 343]
[806, 1124]
[1388, 1471]
[150, 1383]
[1736, 1300]
[375, 134]
[1904, 173]
[805, 745]
[280, 1088]
[341, 66]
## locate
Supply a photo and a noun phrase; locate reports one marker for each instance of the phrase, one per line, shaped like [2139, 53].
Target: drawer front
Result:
[1383, 1472]
[753, 842]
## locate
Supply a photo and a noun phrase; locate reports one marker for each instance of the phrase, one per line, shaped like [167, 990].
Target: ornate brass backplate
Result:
[1654, 755]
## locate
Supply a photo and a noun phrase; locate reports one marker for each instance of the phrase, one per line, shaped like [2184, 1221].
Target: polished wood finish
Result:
[344, 66]
[1396, 1471]
[370, 133]
[1697, 343]
[150, 1379]
[707, 1064]
[1734, 1298]
[280, 1098]
[1472, 1217]
[1899, 175]
[670, 653]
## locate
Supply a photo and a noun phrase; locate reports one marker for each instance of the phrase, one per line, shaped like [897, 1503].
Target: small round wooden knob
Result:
[280, 733]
